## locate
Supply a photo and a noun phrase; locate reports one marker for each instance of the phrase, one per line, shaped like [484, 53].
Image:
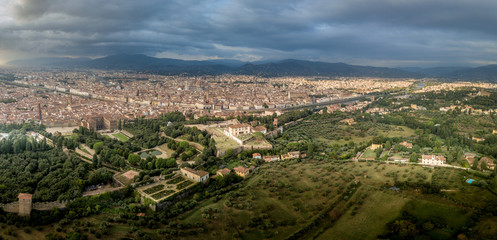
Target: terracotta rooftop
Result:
[241, 169]
[224, 171]
[241, 125]
[25, 196]
[259, 128]
[200, 173]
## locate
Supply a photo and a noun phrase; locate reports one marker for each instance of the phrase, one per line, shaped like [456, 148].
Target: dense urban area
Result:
[98, 154]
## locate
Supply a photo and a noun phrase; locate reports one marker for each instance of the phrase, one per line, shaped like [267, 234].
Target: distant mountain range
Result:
[289, 67]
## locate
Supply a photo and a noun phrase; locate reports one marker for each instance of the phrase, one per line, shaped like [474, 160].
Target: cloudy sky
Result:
[368, 32]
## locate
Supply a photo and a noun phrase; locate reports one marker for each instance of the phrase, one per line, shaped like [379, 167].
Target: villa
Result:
[257, 156]
[271, 158]
[195, 175]
[406, 144]
[242, 171]
[433, 160]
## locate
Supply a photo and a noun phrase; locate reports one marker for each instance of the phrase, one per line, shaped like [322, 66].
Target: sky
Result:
[364, 32]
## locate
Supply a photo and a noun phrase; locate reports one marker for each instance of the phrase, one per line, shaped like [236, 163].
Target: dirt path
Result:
[104, 189]
[91, 151]
[193, 144]
[128, 134]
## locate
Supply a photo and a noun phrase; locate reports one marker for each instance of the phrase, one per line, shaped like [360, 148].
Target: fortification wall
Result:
[13, 207]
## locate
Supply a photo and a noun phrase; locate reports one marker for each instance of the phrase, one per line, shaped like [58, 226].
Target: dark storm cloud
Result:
[378, 32]
[30, 9]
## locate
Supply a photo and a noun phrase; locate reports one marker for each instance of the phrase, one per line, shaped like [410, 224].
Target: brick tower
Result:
[25, 204]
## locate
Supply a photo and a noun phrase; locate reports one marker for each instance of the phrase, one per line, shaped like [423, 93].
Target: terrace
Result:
[165, 188]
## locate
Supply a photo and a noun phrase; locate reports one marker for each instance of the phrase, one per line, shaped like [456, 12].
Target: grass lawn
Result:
[399, 131]
[371, 218]
[358, 136]
[83, 149]
[369, 154]
[259, 142]
[387, 173]
[121, 137]
[222, 141]
[164, 148]
[124, 180]
[400, 155]
[234, 163]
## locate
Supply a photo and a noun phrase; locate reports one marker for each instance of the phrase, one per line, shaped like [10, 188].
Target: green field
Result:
[405, 155]
[165, 149]
[328, 131]
[121, 137]
[223, 142]
[369, 220]
[369, 154]
[450, 218]
[283, 198]
[280, 200]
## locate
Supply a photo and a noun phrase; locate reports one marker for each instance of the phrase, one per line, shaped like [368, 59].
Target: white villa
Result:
[433, 160]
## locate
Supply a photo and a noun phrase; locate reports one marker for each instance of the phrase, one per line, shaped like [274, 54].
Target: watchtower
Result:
[25, 204]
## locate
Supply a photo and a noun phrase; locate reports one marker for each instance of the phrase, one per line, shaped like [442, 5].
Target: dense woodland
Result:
[31, 166]
[18, 142]
[53, 175]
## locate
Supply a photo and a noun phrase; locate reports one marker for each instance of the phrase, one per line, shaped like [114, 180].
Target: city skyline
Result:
[383, 33]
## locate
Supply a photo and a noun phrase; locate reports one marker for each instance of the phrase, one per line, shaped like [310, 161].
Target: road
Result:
[341, 100]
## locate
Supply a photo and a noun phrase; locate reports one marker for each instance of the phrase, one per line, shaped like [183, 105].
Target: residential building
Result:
[470, 158]
[239, 129]
[488, 161]
[271, 158]
[406, 144]
[261, 129]
[433, 160]
[256, 155]
[223, 172]
[349, 121]
[242, 171]
[195, 175]
[478, 139]
[375, 146]
[290, 155]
